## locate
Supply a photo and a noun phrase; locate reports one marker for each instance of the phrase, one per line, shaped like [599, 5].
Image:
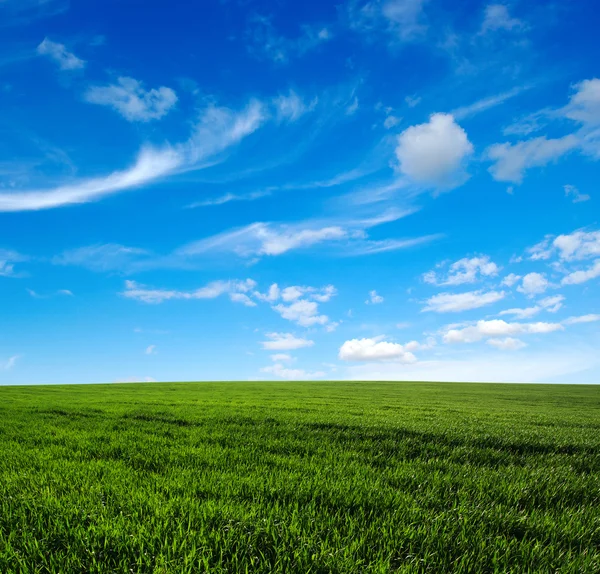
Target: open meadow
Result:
[299, 477]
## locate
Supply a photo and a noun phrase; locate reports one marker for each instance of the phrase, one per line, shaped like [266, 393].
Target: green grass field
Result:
[300, 477]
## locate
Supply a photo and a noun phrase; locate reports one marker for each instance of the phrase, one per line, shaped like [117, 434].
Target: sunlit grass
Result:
[300, 477]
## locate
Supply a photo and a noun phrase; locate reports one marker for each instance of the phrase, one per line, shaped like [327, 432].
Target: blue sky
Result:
[394, 189]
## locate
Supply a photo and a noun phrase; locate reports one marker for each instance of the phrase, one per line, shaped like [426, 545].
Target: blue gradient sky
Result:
[395, 189]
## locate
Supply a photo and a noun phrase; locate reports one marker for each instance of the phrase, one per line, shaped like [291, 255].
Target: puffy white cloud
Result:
[374, 299]
[302, 312]
[511, 280]
[129, 98]
[213, 290]
[434, 153]
[592, 318]
[572, 191]
[533, 284]
[497, 328]
[581, 276]
[301, 304]
[322, 295]
[58, 52]
[454, 303]
[285, 342]
[374, 350]
[464, 271]
[577, 245]
[150, 350]
[513, 160]
[507, 344]
[497, 17]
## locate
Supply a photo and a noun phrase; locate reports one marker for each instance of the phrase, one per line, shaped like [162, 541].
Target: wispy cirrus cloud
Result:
[8, 259]
[236, 290]
[266, 43]
[217, 130]
[486, 103]
[457, 302]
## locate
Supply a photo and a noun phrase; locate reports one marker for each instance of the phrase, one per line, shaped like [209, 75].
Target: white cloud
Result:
[374, 299]
[572, 191]
[282, 358]
[102, 258]
[285, 342]
[412, 101]
[545, 366]
[464, 271]
[291, 107]
[592, 318]
[272, 239]
[575, 246]
[283, 372]
[512, 160]
[8, 259]
[302, 312]
[265, 42]
[352, 108]
[150, 350]
[511, 280]
[213, 290]
[581, 276]
[533, 284]
[58, 52]
[303, 304]
[486, 104]
[526, 313]
[271, 295]
[9, 363]
[217, 130]
[391, 121]
[434, 153]
[129, 98]
[507, 344]
[401, 19]
[454, 303]
[497, 17]
[584, 104]
[374, 350]
[552, 304]
[497, 328]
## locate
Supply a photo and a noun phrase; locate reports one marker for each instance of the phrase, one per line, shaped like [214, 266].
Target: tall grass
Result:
[300, 477]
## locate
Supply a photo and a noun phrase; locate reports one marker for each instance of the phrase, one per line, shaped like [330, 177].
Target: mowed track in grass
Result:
[300, 477]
